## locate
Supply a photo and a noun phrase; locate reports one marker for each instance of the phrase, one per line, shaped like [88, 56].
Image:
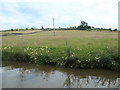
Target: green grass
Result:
[75, 49]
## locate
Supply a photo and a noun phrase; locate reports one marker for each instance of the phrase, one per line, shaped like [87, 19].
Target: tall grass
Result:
[105, 58]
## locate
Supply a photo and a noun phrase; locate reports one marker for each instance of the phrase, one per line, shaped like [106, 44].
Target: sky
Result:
[37, 13]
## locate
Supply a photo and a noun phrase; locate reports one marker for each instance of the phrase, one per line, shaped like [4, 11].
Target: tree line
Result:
[83, 26]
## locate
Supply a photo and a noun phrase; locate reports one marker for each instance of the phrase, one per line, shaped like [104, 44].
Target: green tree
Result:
[83, 26]
[11, 29]
[32, 29]
[42, 28]
[115, 30]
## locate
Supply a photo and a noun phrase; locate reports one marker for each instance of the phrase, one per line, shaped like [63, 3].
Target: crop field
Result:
[71, 48]
[73, 38]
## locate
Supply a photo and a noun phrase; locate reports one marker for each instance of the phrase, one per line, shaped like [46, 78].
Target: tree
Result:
[83, 26]
[42, 27]
[32, 28]
[110, 29]
[11, 29]
[115, 30]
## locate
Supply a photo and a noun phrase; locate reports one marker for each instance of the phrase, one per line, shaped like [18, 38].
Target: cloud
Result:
[37, 13]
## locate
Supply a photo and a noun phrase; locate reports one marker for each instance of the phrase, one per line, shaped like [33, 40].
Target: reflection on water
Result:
[23, 75]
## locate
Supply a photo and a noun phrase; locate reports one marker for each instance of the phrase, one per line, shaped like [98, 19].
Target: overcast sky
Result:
[37, 13]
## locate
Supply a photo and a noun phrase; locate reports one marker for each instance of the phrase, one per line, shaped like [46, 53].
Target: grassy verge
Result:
[105, 58]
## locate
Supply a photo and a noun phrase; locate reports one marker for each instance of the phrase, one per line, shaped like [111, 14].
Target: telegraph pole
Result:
[119, 15]
[54, 26]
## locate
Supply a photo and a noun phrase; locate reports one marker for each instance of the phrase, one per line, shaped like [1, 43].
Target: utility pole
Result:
[119, 25]
[54, 26]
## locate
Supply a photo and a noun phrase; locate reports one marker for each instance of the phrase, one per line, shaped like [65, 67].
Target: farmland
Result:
[70, 48]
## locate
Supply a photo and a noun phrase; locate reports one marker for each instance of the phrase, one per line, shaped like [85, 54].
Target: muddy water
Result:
[24, 75]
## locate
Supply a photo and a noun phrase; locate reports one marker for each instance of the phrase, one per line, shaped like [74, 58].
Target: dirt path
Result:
[10, 34]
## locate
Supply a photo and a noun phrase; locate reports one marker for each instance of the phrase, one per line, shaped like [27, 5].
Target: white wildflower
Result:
[97, 58]
[72, 55]
[46, 47]
[35, 58]
[5, 47]
[65, 57]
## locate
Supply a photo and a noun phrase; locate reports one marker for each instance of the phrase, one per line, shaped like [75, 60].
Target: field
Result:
[73, 38]
[73, 48]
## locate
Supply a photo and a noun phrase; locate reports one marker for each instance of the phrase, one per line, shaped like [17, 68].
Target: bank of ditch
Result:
[94, 58]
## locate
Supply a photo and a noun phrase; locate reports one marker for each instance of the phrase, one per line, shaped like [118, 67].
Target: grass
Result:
[75, 49]
[24, 31]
